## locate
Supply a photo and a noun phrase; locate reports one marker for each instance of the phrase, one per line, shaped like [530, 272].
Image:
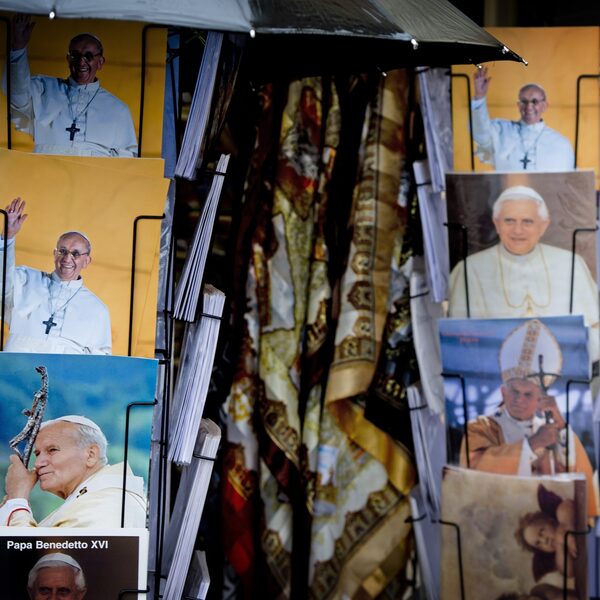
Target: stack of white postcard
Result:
[193, 378]
[434, 97]
[427, 540]
[190, 155]
[189, 285]
[429, 438]
[424, 317]
[181, 533]
[432, 209]
[198, 579]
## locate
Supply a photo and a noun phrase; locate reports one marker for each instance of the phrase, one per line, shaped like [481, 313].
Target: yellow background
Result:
[100, 197]
[556, 56]
[121, 74]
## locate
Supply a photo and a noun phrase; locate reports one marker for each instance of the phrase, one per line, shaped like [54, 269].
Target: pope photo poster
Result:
[518, 398]
[525, 246]
[516, 531]
[88, 565]
[79, 457]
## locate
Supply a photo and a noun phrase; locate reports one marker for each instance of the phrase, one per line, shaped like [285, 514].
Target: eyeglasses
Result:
[87, 56]
[75, 253]
[533, 102]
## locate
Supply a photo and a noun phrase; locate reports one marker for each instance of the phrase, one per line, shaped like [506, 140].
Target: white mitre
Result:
[530, 350]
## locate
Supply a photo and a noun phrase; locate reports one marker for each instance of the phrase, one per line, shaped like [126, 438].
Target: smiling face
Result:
[84, 60]
[61, 464]
[540, 534]
[519, 226]
[70, 256]
[532, 104]
[56, 583]
[521, 398]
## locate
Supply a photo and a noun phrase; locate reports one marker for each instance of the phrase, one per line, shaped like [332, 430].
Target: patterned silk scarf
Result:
[305, 473]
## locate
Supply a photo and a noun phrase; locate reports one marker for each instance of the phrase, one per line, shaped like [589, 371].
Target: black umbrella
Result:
[293, 37]
[357, 35]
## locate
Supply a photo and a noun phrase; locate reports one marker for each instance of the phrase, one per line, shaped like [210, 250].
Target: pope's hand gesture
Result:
[16, 217]
[549, 407]
[544, 437]
[19, 480]
[482, 82]
[21, 27]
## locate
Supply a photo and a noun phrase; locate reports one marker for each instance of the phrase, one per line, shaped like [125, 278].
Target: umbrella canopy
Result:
[311, 36]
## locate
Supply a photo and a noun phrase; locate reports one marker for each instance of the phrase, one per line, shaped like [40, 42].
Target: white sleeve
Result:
[21, 91]
[482, 130]
[9, 507]
[128, 146]
[10, 274]
[105, 342]
[457, 294]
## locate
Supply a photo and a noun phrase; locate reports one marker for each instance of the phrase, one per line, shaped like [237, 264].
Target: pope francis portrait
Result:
[52, 312]
[520, 276]
[71, 463]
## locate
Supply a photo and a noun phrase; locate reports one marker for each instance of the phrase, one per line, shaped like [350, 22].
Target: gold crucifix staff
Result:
[34, 419]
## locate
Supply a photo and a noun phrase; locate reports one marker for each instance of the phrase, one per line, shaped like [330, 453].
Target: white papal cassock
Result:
[96, 502]
[503, 143]
[82, 321]
[537, 284]
[45, 107]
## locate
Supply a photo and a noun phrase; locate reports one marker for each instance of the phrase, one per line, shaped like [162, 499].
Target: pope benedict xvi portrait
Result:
[520, 276]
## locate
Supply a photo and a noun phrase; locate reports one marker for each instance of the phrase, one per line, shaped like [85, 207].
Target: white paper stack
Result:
[181, 533]
[198, 579]
[434, 86]
[427, 538]
[188, 287]
[424, 315]
[432, 208]
[429, 438]
[190, 155]
[197, 357]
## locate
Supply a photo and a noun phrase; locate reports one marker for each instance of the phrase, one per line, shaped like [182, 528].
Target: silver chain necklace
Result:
[50, 322]
[73, 129]
[533, 146]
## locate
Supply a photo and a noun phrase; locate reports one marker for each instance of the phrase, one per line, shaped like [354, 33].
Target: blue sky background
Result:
[471, 347]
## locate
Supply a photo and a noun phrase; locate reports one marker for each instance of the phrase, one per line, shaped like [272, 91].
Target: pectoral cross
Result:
[524, 160]
[49, 324]
[73, 129]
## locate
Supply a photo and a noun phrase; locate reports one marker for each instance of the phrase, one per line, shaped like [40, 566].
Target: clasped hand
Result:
[19, 480]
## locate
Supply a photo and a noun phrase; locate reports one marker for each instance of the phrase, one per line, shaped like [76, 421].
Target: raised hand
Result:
[481, 82]
[16, 217]
[547, 405]
[21, 27]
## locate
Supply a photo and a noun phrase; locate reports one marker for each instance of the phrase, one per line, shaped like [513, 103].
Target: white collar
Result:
[513, 429]
[84, 87]
[506, 255]
[534, 127]
[76, 284]
[525, 424]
